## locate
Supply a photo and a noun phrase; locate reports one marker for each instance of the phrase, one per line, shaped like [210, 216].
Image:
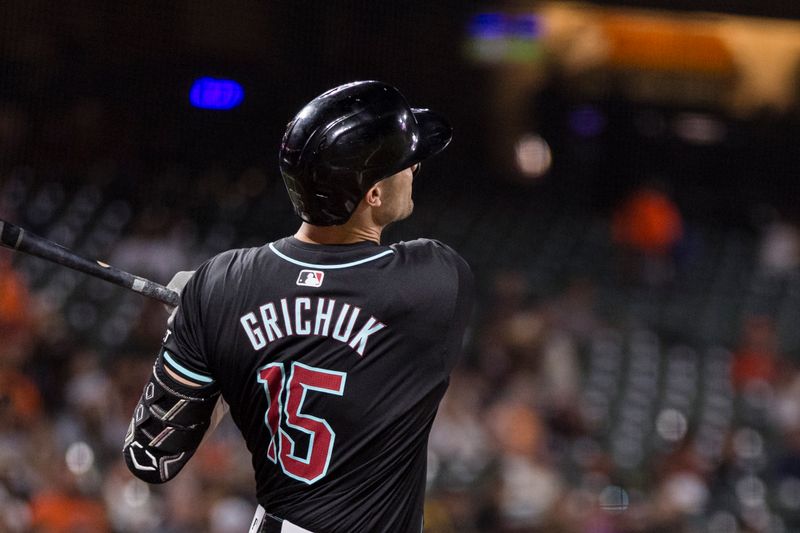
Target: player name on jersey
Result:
[309, 316]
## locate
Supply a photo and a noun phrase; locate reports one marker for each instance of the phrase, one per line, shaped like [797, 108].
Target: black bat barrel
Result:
[12, 236]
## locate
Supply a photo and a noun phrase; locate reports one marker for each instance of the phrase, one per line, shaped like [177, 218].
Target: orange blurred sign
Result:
[657, 44]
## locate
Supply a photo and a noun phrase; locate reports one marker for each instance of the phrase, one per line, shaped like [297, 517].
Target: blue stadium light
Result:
[503, 26]
[526, 26]
[488, 26]
[212, 93]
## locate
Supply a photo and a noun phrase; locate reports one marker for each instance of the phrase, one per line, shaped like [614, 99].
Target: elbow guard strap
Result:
[167, 426]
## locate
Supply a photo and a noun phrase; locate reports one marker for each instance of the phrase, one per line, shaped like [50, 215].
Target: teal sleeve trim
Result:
[185, 371]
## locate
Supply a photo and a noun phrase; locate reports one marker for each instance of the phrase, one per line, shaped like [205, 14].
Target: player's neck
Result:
[344, 234]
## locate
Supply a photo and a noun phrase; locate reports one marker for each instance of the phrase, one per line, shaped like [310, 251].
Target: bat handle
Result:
[156, 291]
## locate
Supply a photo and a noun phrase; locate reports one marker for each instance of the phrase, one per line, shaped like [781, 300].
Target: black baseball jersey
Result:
[334, 359]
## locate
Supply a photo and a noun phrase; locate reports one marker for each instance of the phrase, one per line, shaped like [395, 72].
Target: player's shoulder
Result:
[423, 247]
[226, 258]
[226, 264]
[430, 251]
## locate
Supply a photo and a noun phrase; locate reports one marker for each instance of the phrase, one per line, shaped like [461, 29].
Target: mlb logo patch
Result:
[310, 278]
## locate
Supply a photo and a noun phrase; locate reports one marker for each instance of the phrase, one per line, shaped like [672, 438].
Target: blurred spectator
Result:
[573, 310]
[459, 444]
[529, 486]
[64, 499]
[787, 403]
[20, 400]
[510, 292]
[158, 248]
[558, 383]
[15, 303]
[755, 361]
[183, 497]
[786, 462]
[131, 504]
[682, 491]
[230, 515]
[647, 226]
[67, 512]
[94, 411]
[779, 252]
[511, 328]
[572, 322]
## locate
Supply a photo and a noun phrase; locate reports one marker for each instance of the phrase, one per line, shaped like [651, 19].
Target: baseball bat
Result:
[16, 238]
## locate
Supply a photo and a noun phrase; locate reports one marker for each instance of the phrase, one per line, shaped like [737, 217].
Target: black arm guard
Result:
[167, 426]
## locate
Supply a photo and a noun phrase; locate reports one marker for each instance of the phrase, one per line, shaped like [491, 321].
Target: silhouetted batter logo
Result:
[310, 278]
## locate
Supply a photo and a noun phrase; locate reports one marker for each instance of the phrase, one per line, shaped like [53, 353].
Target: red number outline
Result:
[302, 379]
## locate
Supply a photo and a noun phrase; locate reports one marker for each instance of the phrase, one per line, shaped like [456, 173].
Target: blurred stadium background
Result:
[623, 181]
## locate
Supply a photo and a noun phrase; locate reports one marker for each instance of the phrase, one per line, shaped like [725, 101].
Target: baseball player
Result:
[332, 350]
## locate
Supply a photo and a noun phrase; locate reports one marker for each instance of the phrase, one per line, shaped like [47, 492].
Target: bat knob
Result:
[10, 234]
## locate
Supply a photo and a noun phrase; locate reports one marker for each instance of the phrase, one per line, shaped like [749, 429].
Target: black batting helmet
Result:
[349, 138]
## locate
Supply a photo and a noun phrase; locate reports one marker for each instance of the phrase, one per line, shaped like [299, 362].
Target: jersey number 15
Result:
[302, 379]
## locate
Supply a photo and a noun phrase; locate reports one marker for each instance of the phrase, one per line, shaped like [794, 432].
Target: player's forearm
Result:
[167, 426]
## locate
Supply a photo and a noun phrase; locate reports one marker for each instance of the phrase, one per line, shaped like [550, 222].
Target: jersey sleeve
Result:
[183, 349]
[462, 306]
[176, 405]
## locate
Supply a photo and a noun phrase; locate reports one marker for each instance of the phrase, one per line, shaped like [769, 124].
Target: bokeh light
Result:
[533, 155]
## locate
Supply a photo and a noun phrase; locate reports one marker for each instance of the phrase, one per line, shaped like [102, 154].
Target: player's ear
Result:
[373, 196]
